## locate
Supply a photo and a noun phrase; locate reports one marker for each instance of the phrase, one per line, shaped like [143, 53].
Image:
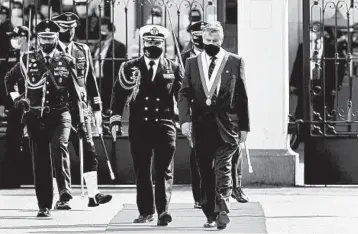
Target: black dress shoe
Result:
[44, 213]
[222, 220]
[103, 198]
[144, 219]
[164, 218]
[239, 195]
[62, 205]
[92, 202]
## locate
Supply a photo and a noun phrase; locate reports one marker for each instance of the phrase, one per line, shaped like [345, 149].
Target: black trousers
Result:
[195, 176]
[215, 164]
[237, 161]
[11, 166]
[49, 131]
[146, 138]
[90, 162]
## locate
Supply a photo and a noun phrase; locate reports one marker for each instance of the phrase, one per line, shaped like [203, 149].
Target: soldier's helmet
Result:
[153, 33]
[47, 33]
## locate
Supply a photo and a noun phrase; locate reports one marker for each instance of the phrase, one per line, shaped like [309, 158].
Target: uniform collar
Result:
[48, 55]
[63, 46]
[147, 60]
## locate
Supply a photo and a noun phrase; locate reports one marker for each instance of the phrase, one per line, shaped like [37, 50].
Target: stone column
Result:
[263, 43]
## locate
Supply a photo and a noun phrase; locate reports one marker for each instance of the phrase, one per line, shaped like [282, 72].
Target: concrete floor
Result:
[287, 210]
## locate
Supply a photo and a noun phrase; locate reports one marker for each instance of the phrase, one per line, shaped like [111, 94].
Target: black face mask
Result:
[66, 36]
[152, 52]
[198, 42]
[211, 49]
[48, 47]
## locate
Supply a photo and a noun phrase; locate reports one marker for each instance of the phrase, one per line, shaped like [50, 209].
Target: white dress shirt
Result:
[206, 60]
[155, 66]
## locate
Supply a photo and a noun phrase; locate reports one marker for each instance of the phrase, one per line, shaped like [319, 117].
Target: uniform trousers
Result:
[146, 138]
[48, 137]
[215, 165]
[90, 162]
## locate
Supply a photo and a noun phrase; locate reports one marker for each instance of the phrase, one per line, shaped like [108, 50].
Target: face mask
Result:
[48, 47]
[16, 12]
[211, 49]
[15, 43]
[66, 36]
[81, 11]
[152, 52]
[198, 42]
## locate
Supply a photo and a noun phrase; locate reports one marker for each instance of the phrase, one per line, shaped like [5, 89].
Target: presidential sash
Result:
[209, 93]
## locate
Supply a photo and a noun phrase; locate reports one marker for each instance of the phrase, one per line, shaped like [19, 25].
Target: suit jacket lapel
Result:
[225, 79]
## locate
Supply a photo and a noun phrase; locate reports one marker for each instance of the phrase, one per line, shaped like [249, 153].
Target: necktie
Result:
[150, 71]
[47, 58]
[212, 66]
[66, 50]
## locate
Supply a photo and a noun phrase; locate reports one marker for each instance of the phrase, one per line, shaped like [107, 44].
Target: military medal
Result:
[208, 102]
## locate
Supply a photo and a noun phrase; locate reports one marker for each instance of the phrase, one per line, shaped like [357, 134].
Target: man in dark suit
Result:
[214, 91]
[198, 46]
[92, 108]
[148, 85]
[107, 69]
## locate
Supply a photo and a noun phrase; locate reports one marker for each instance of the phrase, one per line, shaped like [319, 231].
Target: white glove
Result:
[98, 119]
[186, 129]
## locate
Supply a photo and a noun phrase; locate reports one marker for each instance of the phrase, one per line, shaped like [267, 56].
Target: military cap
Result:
[197, 26]
[153, 32]
[66, 20]
[47, 28]
[19, 31]
[4, 10]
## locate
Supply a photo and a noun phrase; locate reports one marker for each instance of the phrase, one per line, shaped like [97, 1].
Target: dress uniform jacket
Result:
[47, 91]
[149, 101]
[86, 77]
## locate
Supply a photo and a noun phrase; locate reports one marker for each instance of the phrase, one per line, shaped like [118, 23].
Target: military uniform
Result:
[48, 93]
[90, 95]
[151, 125]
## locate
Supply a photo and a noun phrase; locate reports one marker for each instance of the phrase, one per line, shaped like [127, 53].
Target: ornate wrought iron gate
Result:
[329, 85]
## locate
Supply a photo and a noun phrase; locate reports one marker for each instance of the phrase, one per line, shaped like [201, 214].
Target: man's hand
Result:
[98, 119]
[243, 136]
[186, 129]
[115, 125]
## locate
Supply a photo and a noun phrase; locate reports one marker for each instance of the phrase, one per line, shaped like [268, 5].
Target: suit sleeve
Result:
[11, 80]
[185, 96]
[242, 100]
[119, 96]
[91, 84]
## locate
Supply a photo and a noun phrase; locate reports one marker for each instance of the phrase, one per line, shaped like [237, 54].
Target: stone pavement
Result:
[287, 210]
